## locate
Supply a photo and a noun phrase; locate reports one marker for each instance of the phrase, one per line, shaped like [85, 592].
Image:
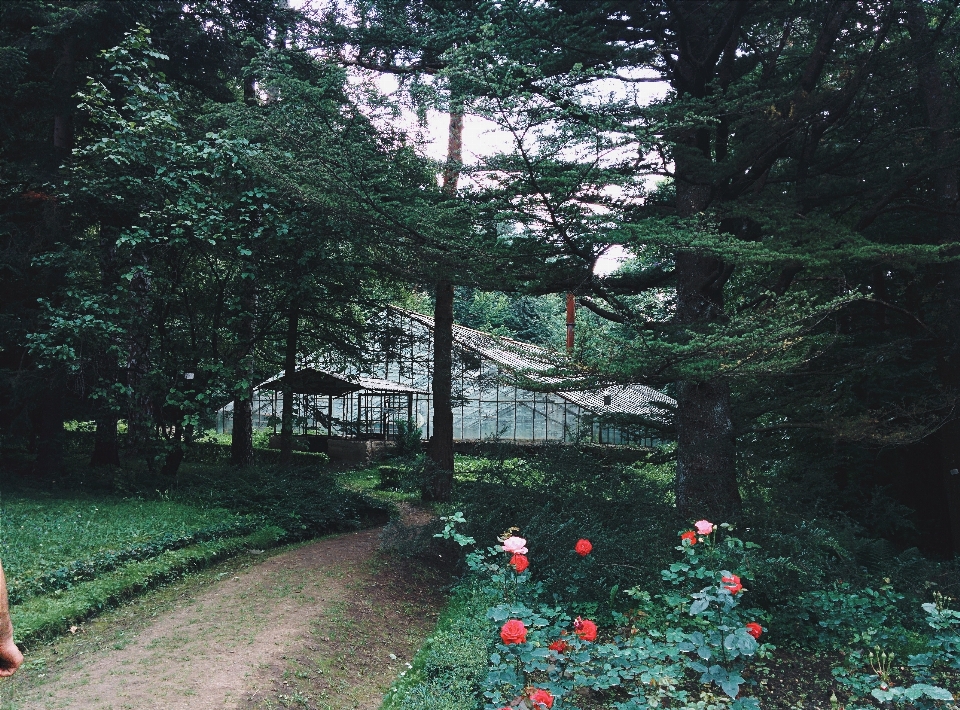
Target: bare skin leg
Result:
[10, 656]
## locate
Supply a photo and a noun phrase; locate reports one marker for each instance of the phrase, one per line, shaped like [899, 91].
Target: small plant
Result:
[409, 439]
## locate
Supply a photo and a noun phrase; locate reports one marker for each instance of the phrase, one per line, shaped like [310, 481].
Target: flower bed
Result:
[692, 646]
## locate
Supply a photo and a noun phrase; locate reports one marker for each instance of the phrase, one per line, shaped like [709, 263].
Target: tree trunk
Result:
[706, 485]
[241, 443]
[48, 426]
[938, 101]
[174, 457]
[106, 449]
[289, 367]
[440, 485]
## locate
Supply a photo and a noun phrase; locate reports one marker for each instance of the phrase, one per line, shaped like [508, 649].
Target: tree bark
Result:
[441, 442]
[106, 449]
[289, 367]
[440, 485]
[48, 425]
[938, 98]
[706, 484]
[241, 442]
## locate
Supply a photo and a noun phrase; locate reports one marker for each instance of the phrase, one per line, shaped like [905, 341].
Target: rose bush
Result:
[547, 648]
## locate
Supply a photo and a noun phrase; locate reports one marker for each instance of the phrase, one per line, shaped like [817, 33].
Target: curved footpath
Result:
[329, 624]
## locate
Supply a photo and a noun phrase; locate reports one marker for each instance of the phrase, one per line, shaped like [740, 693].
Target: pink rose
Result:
[515, 546]
[704, 527]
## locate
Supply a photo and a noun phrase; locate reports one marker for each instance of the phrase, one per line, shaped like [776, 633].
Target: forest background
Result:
[220, 187]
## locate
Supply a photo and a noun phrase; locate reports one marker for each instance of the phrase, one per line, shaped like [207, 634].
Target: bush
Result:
[305, 501]
[556, 499]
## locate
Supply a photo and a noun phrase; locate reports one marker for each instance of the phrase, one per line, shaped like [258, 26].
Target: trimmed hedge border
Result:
[448, 670]
[68, 576]
[42, 618]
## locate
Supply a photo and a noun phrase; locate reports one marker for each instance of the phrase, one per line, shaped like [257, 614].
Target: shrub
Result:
[305, 501]
[546, 653]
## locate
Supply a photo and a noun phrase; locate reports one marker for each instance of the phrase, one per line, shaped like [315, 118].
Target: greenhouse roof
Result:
[536, 364]
[310, 380]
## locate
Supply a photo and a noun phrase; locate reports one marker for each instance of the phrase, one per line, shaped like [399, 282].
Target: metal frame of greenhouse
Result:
[340, 400]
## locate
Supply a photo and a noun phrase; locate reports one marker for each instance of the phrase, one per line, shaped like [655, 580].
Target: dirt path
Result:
[326, 625]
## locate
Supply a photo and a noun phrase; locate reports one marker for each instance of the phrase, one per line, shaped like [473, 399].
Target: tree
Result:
[766, 101]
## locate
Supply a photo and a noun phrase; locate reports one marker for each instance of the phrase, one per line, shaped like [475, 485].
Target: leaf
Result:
[699, 606]
[730, 687]
[934, 692]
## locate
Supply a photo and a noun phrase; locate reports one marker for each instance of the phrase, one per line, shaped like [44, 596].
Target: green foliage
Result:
[561, 495]
[50, 543]
[559, 654]
[305, 501]
[448, 670]
[844, 617]
[409, 439]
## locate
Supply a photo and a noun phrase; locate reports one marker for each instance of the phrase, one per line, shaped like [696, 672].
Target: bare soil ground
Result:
[325, 625]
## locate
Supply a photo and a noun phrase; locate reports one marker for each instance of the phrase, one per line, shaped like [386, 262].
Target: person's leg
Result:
[10, 656]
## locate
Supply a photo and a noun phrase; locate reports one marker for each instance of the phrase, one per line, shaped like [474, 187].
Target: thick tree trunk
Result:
[440, 485]
[48, 426]
[106, 447]
[241, 443]
[289, 367]
[938, 98]
[174, 457]
[706, 485]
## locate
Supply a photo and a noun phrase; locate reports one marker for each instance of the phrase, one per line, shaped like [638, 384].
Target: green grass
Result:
[49, 543]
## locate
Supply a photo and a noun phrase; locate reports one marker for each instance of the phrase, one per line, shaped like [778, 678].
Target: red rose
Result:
[583, 547]
[541, 697]
[519, 562]
[732, 584]
[689, 536]
[560, 646]
[513, 632]
[585, 629]
[754, 629]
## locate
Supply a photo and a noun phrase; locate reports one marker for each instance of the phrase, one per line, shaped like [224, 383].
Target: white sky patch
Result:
[611, 260]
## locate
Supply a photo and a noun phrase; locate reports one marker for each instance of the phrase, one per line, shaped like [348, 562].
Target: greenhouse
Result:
[500, 391]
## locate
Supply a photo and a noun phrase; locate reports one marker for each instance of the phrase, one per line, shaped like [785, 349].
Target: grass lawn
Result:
[41, 534]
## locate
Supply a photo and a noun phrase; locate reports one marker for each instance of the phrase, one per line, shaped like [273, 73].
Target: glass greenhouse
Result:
[498, 387]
